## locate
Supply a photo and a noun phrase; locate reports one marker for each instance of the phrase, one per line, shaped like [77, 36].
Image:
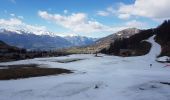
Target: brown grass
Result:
[26, 71]
[68, 60]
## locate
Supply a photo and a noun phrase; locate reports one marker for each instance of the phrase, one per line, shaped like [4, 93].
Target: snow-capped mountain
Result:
[43, 40]
[80, 40]
[26, 31]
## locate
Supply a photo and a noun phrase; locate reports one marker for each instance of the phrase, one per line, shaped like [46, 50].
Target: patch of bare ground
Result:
[29, 70]
[68, 60]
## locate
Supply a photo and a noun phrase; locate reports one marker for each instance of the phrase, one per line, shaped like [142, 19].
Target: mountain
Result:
[7, 48]
[80, 40]
[105, 42]
[46, 41]
[136, 45]
[130, 42]
[9, 53]
[32, 41]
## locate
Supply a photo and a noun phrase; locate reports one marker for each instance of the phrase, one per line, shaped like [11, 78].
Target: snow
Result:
[94, 78]
[163, 59]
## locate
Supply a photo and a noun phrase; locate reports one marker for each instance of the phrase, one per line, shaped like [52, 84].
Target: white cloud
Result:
[111, 10]
[20, 17]
[13, 15]
[80, 23]
[10, 22]
[124, 16]
[76, 22]
[65, 11]
[150, 8]
[136, 24]
[107, 12]
[103, 13]
[129, 24]
[15, 24]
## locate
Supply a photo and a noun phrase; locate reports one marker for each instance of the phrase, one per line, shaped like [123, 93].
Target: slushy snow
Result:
[94, 78]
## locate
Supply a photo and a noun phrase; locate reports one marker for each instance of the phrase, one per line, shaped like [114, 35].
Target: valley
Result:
[84, 50]
[125, 78]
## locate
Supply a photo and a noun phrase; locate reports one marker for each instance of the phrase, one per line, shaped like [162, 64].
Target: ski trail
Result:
[155, 49]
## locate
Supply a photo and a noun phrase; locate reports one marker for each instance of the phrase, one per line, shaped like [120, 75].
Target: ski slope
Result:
[94, 78]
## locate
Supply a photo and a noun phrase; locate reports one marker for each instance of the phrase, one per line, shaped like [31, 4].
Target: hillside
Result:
[121, 34]
[7, 48]
[136, 44]
[163, 37]
[11, 53]
[104, 42]
[132, 46]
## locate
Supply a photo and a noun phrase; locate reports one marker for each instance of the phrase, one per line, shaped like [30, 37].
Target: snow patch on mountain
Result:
[43, 40]
[80, 40]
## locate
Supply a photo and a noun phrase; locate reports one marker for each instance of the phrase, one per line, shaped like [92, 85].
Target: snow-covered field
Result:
[94, 78]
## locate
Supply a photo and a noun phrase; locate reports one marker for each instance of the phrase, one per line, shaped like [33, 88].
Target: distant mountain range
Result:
[80, 40]
[128, 42]
[46, 41]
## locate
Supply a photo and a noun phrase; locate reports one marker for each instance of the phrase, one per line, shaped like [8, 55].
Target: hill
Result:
[104, 42]
[163, 37]
[136, 45]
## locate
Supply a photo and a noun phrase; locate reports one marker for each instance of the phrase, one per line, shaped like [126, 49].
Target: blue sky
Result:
[94, 18]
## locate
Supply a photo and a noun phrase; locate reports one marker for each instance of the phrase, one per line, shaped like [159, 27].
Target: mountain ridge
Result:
[104, 42]
[136, 45]
[33, 41]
